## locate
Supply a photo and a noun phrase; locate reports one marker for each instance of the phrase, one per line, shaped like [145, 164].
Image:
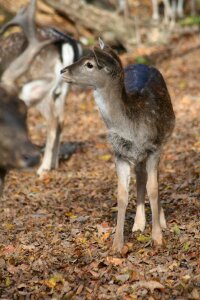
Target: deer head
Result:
[95, 69]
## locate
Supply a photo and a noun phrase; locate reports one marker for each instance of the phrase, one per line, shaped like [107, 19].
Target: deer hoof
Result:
[138, 226]
[117, 245]
[42, 170]
[163, 223]
[157, 238]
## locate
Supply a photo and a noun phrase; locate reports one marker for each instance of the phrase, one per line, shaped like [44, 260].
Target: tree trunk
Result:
[109, 25]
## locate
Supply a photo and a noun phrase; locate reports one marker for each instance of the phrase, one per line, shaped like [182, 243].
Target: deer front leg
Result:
[123, 172]
[152, 191]
[51, 154]
[141, 180]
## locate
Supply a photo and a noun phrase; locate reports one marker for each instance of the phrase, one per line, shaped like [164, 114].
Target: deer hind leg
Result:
[50, 159]
[163, 222]
[153, 194]
[141, 180]
[54, 115]
[123, 172]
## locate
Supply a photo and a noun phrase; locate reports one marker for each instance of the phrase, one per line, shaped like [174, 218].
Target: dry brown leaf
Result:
[150, 285]
[115, 260]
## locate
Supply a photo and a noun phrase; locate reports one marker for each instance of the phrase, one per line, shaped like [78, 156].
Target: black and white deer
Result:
[137, 110]
[30, 63]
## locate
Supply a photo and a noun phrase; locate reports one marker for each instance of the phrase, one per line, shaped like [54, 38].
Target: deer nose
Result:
[66, 75]
[63, 70]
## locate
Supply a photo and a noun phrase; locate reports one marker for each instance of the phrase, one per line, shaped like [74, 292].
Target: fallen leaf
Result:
[195, 294]
[186, 246]
[135, 276]
[12, 269]
[122, 277]
[176, 229]
[94, 274]
[105, 236]
[70, 215]
[52, 282]
[150, 285]
[105, 157]
[103, 228]
[79, 290]
[9, 249]
[7, 281]
[143, 238]
[186, 278]
[173, 266]
[115, 260]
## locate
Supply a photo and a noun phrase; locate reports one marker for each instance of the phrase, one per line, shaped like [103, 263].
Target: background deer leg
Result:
[50, 159]
[141, 180]
[155, 12]
[180, 6]
[123, 172]
[167, 11]
[55, 119]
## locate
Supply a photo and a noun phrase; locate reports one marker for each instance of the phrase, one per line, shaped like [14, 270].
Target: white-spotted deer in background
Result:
[136, 107]
[30, 63]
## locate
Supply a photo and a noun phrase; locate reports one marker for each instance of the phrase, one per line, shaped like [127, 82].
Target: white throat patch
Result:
[101, 103]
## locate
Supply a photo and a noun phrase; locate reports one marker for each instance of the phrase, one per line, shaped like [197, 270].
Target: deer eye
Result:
[89, 65]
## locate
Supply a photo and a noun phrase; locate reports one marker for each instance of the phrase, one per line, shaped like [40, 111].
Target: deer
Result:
[172, 9]
[137, 110]
[16, 149]
[30, 63]
[167, 10]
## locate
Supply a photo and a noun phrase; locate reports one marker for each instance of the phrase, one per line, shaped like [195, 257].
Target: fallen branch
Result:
[109, 25]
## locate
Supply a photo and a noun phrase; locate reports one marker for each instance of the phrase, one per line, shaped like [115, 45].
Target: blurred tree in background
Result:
[122, 23]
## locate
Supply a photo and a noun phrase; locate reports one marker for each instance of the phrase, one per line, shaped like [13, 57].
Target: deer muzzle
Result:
[66, 75]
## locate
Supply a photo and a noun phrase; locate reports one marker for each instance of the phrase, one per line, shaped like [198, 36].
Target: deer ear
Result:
[104, 60]
[101, 43]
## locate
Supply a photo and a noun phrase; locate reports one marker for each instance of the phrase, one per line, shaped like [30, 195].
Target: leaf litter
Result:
[56, 233]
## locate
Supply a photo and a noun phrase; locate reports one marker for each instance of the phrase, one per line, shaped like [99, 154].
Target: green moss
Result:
[142, 60]
[190, 21]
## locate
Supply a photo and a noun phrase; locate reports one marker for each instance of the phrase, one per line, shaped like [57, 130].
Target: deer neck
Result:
[110, 101]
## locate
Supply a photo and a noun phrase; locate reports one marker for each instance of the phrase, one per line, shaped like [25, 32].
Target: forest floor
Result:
[56, 233]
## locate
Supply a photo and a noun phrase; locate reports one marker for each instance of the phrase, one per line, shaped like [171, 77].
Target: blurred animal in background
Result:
[172, 9]
[30, 63]
[16, 150]
[136, 107]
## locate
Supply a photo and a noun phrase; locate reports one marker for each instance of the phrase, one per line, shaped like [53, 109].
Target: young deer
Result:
[137, 110]
[30, 63]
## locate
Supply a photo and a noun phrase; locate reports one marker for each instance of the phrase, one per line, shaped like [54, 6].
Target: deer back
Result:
[43, 64]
